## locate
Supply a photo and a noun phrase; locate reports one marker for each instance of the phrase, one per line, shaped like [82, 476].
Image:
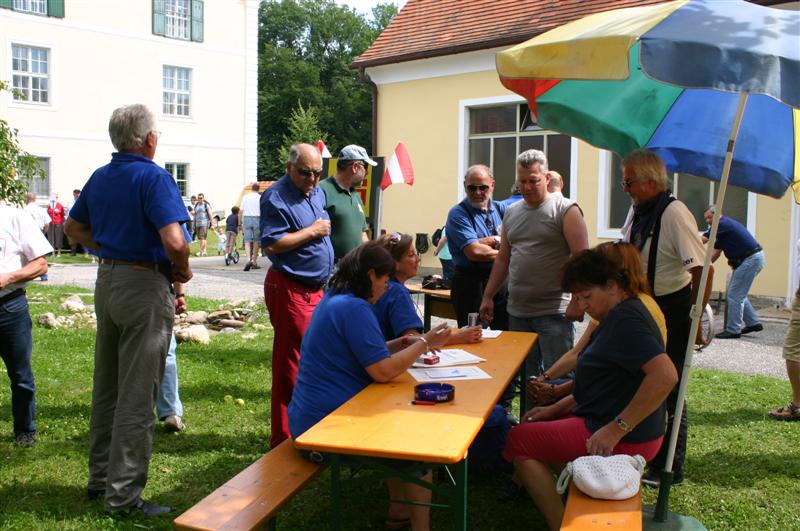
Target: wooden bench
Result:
[253, 497]
[584, 513]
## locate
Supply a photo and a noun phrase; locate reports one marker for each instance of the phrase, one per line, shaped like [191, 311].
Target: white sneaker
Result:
[174, 423]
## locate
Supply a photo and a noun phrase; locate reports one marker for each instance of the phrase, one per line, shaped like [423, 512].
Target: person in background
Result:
[621, 381]
[344, 351]
[395, 309]
[791, 353]
[250, 214]
[55, 230]
[556, 183]
[23, 258]
[443, 252]
[343, 202]
[232, 228]
[295, 231]
[190, 210]
[746, 259]
[514, 198]
[169, 408]
[203, 222]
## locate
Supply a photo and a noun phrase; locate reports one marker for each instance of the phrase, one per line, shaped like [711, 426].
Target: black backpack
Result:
[421, 243]
[436, 236]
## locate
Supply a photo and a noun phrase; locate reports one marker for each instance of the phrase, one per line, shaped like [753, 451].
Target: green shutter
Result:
[7, 4]
[55, 8]
[159, 19]
[197, 20]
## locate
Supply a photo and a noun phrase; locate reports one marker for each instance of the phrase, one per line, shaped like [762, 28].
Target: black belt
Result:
[11, 296]
[736, 262]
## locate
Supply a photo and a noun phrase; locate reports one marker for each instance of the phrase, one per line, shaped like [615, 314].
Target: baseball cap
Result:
[354, 152]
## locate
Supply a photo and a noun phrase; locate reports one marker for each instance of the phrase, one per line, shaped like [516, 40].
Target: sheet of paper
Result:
[488, 333]
[451, 357]
[468, 372]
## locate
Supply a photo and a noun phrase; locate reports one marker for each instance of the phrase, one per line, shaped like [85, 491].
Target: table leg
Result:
[523, 395]
[426, 321]
[460, 506]
[336, 493]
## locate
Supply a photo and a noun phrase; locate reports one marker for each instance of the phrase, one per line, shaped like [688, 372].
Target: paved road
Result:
[753, 354]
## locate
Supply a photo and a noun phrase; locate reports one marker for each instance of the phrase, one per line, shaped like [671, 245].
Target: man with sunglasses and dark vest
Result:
[473, 234]
[295, 231]
[674, 264]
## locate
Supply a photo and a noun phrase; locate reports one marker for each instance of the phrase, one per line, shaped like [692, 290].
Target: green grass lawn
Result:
[743, 468]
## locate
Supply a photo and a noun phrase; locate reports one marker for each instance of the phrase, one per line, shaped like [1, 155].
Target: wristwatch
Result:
[624, 426]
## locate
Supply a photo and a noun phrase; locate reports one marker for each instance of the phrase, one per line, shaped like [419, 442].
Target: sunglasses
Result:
[308, 173]
[476, 187]
[629, 182]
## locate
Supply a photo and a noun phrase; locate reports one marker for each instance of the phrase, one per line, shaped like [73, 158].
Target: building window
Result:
[697, 193]
[40, 185]
[30, 73]
[179, 171]
[178, 19]
[176, 93]
[50, 8]
[31, 6]
[498, 134]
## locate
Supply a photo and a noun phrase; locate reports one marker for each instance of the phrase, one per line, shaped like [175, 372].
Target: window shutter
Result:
[55, 8]
[197, 20]
[7, 4]
[159, 19]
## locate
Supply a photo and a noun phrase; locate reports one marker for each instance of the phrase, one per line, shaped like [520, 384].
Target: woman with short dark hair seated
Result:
[344, 351]
[621, 380]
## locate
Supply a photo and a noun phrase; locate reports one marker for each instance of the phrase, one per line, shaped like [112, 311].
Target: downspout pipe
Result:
[378, 201]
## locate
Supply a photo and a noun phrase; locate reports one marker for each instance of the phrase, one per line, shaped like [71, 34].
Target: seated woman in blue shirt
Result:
[344, 351]
[395, 310]
[621, 380]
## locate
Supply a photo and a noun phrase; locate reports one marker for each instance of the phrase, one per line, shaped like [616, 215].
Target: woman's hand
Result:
[438, 336]
[541, 393]
[603, 441]
[538, 414]
[468, 334]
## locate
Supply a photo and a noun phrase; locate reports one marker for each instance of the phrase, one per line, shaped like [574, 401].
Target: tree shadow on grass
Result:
[739, 470]
[217, 392]
[729, 417]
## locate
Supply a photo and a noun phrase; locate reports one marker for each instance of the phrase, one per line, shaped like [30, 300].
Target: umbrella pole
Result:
[662, 505]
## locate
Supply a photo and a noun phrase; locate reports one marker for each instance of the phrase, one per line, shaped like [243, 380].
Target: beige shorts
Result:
[791, 347]
[202, 233]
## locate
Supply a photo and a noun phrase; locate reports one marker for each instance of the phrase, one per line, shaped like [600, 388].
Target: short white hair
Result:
[129, 126]
[528, 158]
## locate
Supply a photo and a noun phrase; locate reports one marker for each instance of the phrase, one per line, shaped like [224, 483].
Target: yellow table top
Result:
[380, 421]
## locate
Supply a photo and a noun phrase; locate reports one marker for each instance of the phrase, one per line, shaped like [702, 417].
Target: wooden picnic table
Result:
[381, 422]
[437, 302]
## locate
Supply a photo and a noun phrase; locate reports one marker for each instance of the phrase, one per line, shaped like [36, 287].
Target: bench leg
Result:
[460, 506]
[272, 525]
[336, 493]
[426, 321]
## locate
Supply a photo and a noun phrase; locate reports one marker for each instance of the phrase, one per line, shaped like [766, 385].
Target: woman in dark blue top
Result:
[395, 310]
[621, 380]
[344, 351]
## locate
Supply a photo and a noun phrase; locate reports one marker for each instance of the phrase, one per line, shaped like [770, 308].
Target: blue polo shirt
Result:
[733, 238]
[126, 203]
[516, 198]
[285, 209]
[467, 224]
[396, 312]
[342, 339]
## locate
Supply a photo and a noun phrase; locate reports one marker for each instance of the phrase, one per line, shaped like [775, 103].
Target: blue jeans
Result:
[739, 306]
[556, 337]
[448, 269]
[16, 345]
[168, 402]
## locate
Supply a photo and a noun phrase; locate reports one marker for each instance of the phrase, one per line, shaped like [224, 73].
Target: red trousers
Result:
[290, 306]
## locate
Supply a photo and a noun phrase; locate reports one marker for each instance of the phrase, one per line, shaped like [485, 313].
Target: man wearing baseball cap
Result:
[342, 201]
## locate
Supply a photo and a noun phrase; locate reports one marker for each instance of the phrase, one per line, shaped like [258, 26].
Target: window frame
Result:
[605, 159]
[173, 116]
[48, 180]
[465, 106]
[186, 175]
[43, 3]
[50, 77]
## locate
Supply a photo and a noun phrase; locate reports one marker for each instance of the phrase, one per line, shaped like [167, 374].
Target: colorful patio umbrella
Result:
[712, 86]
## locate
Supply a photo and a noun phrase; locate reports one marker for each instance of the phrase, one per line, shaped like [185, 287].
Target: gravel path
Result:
[758, 353]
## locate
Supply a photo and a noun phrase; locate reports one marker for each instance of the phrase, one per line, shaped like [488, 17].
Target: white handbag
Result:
[616, 477]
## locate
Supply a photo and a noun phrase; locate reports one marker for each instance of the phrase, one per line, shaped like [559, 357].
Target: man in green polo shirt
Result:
[343, 202]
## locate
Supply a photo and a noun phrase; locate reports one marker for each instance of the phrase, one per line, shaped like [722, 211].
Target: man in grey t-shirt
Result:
[539, 234]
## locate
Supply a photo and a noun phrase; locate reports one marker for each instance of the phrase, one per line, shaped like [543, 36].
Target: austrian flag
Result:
[399, 169]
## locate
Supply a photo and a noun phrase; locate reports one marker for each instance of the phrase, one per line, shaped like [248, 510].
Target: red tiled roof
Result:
[431, 28]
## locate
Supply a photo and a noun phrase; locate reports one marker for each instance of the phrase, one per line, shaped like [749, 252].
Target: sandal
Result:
[787, 412]
[397, 523]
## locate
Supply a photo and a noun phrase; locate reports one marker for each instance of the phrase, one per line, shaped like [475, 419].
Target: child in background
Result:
[232, 227]
[222, 246]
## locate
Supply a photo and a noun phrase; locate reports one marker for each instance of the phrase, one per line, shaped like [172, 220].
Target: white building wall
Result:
[103, 54]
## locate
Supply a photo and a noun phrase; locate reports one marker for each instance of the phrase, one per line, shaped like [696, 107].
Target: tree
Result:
[305, 49]
[303, 127]
[17, 168]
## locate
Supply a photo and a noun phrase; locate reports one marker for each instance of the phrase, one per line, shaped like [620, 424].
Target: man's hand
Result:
[5, 280]
[487, 310]
[180, 305]
[181, 274]
[320, 228]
